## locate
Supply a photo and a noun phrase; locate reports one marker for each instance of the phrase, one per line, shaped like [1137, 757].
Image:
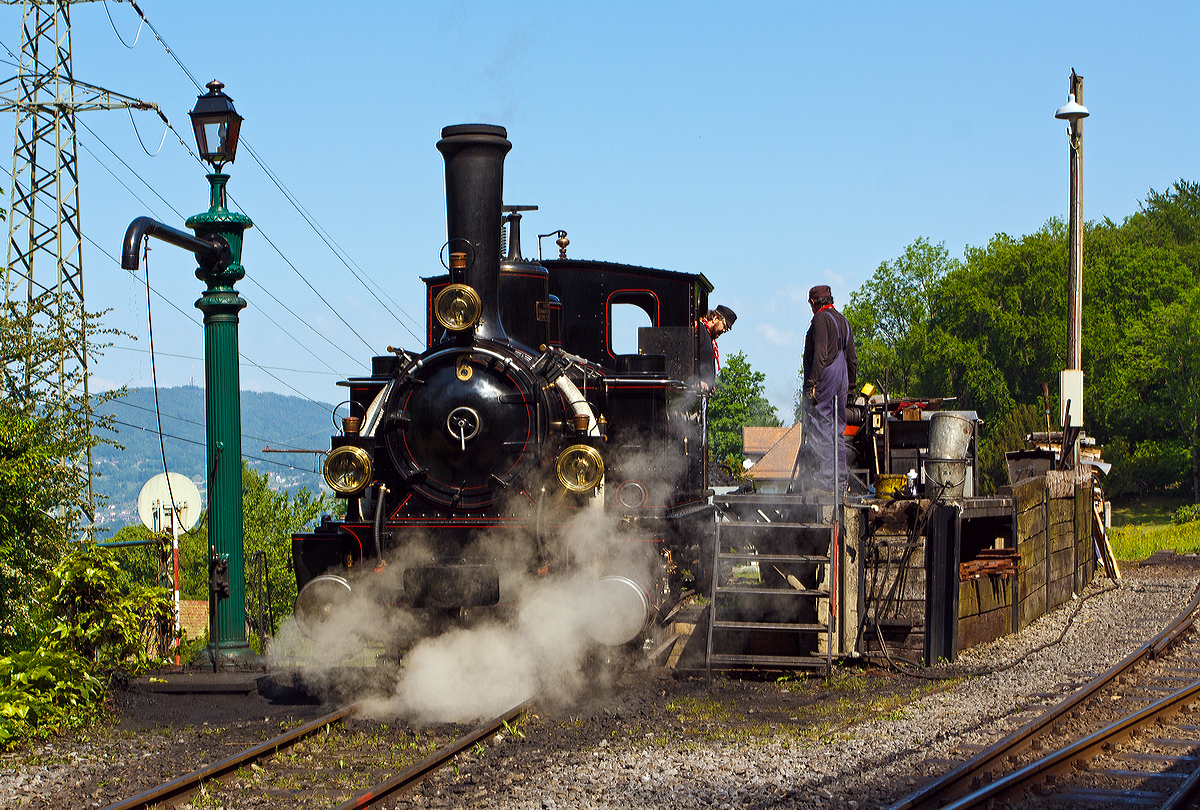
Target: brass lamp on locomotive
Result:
[479, 463]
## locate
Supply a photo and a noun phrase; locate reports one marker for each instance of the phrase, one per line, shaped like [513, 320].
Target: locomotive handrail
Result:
[211, 255]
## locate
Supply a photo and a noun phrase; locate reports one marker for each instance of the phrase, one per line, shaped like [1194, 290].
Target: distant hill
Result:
[267, 420]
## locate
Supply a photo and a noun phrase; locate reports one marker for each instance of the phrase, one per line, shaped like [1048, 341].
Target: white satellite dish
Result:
[154, 503]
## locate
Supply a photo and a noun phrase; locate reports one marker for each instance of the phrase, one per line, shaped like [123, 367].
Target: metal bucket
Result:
[949, 435]
[945, 478]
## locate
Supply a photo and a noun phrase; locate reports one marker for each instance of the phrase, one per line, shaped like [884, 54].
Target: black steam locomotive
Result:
[519, 445]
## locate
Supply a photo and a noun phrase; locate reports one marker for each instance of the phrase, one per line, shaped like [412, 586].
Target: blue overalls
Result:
[822, 422]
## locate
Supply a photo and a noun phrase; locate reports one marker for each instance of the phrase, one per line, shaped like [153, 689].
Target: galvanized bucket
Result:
[949, 435]
[945, 478]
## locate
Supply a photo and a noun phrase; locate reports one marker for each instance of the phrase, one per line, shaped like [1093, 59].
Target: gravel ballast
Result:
[661, 741]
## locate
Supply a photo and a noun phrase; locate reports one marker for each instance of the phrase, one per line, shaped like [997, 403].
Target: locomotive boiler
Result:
[519, 444]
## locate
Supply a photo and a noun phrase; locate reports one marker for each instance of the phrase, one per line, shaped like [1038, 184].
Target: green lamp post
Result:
[217, 127]
[217, 246]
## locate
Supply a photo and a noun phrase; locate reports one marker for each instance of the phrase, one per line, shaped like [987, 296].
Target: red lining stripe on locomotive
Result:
[407, 498]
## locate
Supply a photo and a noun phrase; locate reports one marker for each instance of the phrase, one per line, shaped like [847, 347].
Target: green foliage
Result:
[43, 690]
[1186, 514]
[272, 419]
[148, 564]
[891, 315]
[269, 519]
[44, 492]
[98, 627]
[1147, 466]
[1139, 541]
[1009, 436]
[989, 330]
[737, 402]
[96, 619]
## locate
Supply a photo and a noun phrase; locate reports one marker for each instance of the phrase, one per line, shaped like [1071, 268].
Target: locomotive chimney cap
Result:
[474, 129]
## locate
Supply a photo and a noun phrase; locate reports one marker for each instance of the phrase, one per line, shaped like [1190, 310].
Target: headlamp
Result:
[347, 469]
[579, 468]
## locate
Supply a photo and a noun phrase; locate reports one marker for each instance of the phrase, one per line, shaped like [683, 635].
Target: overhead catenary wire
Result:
[333, 246]
[118, 33]
[154, 375]
[258, 284]
[300, 209]
[265, 369]
[197, 359]
[116, 421]
[201, 424]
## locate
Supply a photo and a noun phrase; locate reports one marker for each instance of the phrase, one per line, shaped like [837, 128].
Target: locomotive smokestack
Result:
[474, 155]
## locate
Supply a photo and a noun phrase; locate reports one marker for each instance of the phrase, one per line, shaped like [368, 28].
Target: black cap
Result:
[728, 314]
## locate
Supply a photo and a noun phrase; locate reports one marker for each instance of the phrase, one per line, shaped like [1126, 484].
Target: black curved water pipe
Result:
[211, 255]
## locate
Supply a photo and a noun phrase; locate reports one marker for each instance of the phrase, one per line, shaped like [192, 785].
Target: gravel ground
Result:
[663, 741]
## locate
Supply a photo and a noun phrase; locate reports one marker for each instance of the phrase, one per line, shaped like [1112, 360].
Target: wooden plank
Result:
[1030, 523]
[1062, 538]
[1110, 560]
[984, 595]
[1030, 492]
[1062, 565]
[1060, 592]
[1062, 511]
[1033, 607]
[968, 598]
[1032, 578]
[1032, 550]
[1062, 483]
[984, 628]
[995, 593]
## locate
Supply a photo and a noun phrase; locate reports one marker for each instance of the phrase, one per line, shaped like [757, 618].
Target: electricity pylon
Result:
[45, 259]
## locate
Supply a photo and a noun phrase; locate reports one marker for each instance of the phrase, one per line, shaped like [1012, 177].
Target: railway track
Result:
[1130, 737]
[335, 772]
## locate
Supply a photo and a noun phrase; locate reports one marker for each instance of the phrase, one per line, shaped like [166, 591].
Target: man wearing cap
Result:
[715, 323]
[830, 372]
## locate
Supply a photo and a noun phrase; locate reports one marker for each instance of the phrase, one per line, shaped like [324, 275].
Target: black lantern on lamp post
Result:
[217, 126]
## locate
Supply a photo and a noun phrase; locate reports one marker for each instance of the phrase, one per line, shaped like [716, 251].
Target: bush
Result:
[98, 629]
[94, 618]
[44, 690]
[1186, 514]
[1160, 466]
[1007, 436]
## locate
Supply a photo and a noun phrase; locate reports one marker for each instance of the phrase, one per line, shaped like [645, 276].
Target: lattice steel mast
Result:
[44, 217]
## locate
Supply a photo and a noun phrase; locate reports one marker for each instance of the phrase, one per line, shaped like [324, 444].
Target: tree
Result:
[269, 518]
[43, 496]
[1161, 372]
[892, 314]
[737, 402]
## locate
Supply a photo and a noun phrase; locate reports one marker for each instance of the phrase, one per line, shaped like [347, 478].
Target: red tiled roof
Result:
[758, 440]
[780, 459]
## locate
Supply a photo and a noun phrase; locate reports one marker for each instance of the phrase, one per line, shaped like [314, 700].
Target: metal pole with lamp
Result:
[217, 245]
[1071, 379]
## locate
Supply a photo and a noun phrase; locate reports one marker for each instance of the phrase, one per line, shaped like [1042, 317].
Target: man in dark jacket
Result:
[830, 372]
[715, 323]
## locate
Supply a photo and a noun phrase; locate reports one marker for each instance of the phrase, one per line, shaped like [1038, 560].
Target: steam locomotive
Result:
[518, 445]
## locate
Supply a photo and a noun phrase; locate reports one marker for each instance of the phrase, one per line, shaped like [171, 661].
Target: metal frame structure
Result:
[44, 220]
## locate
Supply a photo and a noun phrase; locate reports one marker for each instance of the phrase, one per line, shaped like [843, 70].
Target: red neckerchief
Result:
[822, 309]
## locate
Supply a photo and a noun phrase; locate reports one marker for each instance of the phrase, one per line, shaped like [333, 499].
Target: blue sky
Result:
[770, 146]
